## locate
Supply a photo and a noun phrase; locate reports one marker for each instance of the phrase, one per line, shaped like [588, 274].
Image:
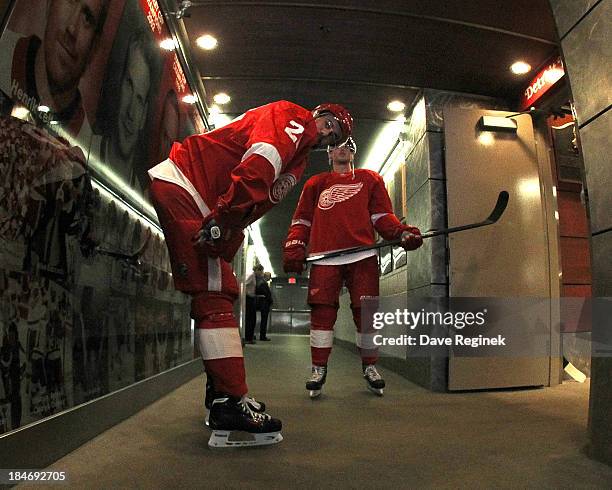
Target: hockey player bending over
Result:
[210, 188]
[338, 210]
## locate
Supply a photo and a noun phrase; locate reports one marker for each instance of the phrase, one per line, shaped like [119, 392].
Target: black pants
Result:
[251, 317]
[263, 326]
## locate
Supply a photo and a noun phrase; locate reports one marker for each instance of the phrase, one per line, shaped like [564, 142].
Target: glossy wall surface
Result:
[87, 304]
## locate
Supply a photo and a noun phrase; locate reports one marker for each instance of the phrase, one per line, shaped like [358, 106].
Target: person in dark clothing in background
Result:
[250, 320]
[264, 301]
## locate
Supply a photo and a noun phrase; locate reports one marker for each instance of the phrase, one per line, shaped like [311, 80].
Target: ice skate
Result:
[234, 424]
[255, 405]
[317, 379]
[373, 379]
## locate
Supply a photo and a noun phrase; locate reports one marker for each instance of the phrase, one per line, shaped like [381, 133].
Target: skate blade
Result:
[206, 422]
[314, 393]
[376, 391]
[228, 438]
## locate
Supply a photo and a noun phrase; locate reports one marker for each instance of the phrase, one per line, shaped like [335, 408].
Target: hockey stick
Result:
[500, 207]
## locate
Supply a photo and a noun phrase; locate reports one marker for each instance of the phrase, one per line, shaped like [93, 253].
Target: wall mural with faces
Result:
[88, 103]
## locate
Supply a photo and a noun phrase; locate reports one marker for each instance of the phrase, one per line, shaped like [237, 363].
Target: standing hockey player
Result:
[338, 210]
[210, 188]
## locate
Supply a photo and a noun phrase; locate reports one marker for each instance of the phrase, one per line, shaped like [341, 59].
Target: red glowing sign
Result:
[542, 83]
[291, 280]
[154, 16]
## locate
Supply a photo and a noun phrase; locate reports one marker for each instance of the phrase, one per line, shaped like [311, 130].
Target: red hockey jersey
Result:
[338, 211]
[244, 168]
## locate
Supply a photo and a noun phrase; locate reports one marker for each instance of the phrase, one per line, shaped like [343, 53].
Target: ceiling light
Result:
[20, 112]
[206, 42]
[396, 106]
[222, 98]
[43, 108]
[520, 68]
[168, 44]
[189, 99]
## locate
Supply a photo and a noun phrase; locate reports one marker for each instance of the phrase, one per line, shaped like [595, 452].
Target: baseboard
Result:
[41, 443]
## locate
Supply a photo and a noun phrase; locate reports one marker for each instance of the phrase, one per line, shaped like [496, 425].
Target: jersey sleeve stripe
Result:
[304, 222]
[269, 152]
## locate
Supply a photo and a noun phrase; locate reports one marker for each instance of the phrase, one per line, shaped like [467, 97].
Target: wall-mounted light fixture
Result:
[497, 123]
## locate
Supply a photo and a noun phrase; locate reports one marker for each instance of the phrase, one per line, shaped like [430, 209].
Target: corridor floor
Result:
[410, 438]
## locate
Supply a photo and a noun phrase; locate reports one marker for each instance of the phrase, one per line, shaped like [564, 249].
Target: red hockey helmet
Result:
[341, 114]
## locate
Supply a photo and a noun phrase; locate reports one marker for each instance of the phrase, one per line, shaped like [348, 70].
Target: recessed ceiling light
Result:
[168, 44]
[520, 68]
[396, 106]
[20, 112]
[43, 108]
[222, 98]
[189, 99]
[206, 42]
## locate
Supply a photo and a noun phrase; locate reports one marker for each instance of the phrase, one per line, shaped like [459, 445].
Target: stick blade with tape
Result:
[500, 206]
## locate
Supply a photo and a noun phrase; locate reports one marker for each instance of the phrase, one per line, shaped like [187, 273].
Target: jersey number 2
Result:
[294, 131]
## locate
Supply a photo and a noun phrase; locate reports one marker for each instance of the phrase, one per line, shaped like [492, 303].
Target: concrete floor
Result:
[349, 438]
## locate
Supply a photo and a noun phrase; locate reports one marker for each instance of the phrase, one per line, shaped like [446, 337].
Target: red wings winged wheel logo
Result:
[338, 193]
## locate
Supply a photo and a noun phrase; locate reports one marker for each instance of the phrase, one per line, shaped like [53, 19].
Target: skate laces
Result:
[318, 372]
[245, 406]
[371, 372]
[252, 402]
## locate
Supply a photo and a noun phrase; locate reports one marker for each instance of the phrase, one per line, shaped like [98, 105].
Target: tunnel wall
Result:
[584, 31]
[87, 304]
